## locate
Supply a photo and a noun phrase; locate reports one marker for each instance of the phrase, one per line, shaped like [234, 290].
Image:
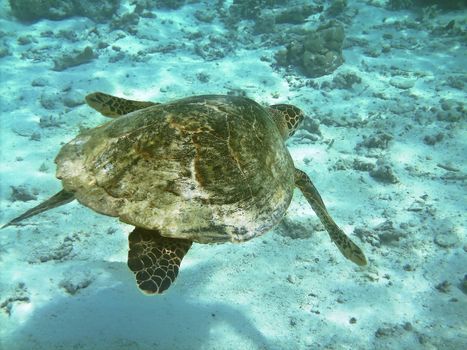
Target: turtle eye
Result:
[293, 116]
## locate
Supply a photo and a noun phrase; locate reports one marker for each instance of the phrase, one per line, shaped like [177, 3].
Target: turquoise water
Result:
[382, 85]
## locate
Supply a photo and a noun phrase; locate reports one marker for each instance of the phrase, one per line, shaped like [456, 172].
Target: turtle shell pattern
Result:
[205, 168]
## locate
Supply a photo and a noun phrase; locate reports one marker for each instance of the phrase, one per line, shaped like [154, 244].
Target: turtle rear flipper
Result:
[348, 248]
[114, 107]
[155, 260]
[60, 198]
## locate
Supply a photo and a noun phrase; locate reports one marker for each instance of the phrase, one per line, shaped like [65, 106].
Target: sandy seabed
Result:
[388, 154]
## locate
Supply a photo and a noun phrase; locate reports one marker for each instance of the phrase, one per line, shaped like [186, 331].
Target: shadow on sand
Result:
[120, 317]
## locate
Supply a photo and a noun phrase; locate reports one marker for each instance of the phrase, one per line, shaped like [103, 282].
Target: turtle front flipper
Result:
[348, 248]
[155, 260]
[114, 107]
[60, 198]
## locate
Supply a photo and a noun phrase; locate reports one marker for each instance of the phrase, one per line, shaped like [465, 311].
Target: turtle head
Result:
[288, 118]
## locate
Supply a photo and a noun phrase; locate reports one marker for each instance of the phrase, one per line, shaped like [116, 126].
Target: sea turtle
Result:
[205, 169]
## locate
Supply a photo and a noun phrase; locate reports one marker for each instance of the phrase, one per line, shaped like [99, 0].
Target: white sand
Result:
[273, 292]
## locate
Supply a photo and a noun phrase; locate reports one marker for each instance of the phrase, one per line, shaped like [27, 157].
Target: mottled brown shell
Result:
[205, 168]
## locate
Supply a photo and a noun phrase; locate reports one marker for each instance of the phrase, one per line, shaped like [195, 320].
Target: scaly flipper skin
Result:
[155, 260]
[114, 107]
[348, 248]
[61, 198]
